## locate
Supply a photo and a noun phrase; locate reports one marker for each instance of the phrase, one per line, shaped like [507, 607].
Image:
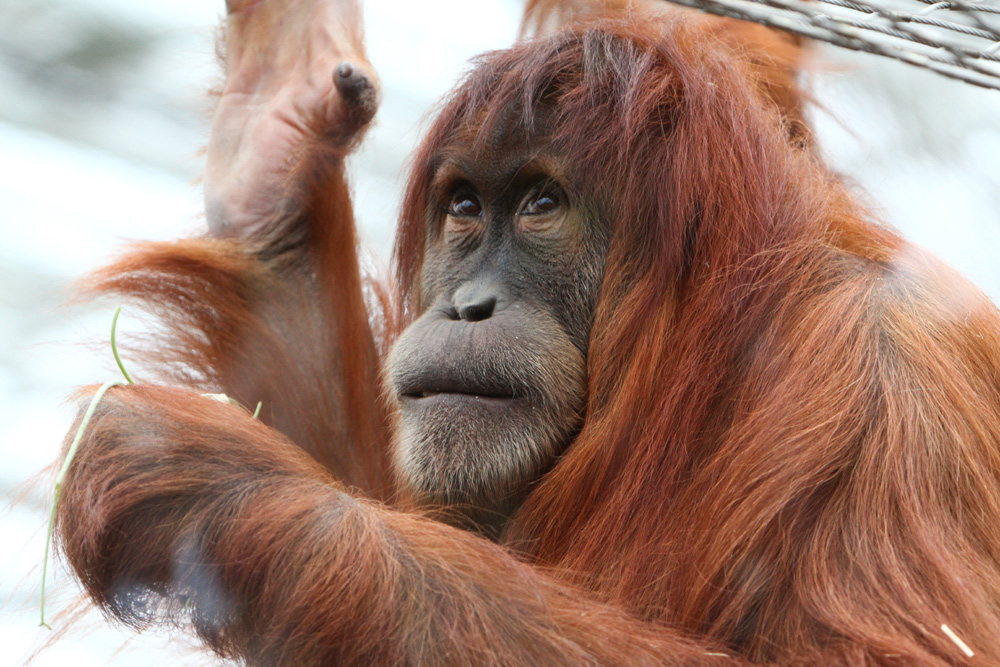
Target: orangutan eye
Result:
[542, 202]
[464, 204]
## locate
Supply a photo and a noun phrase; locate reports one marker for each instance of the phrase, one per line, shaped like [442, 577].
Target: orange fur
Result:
[791, 453]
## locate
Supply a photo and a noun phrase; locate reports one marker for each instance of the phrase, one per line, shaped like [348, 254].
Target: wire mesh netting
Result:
[957, 38]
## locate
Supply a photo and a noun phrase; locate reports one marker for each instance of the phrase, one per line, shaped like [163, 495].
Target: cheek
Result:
[569, 284]
[441, 273]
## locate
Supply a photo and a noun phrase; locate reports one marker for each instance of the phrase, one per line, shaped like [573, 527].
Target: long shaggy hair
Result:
[791, 439]
[793, 418]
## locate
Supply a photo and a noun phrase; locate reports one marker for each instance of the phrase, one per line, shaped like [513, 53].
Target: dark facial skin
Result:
[490, 380]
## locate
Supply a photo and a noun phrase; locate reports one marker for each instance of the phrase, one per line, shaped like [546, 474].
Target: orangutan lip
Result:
[434, 384]
[420, 395]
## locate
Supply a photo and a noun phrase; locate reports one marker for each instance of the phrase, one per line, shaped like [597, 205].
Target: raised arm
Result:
[271, 306]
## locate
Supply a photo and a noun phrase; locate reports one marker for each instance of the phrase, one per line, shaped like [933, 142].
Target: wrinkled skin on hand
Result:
[308, 79]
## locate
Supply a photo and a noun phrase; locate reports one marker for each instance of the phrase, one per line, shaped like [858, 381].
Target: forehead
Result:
[516, 144]
[497, 172]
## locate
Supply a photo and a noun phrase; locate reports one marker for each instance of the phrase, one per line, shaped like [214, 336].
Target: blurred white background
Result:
[102, 113]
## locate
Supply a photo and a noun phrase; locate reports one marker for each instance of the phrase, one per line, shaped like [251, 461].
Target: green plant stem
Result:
[114, 346]
[62, 475]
